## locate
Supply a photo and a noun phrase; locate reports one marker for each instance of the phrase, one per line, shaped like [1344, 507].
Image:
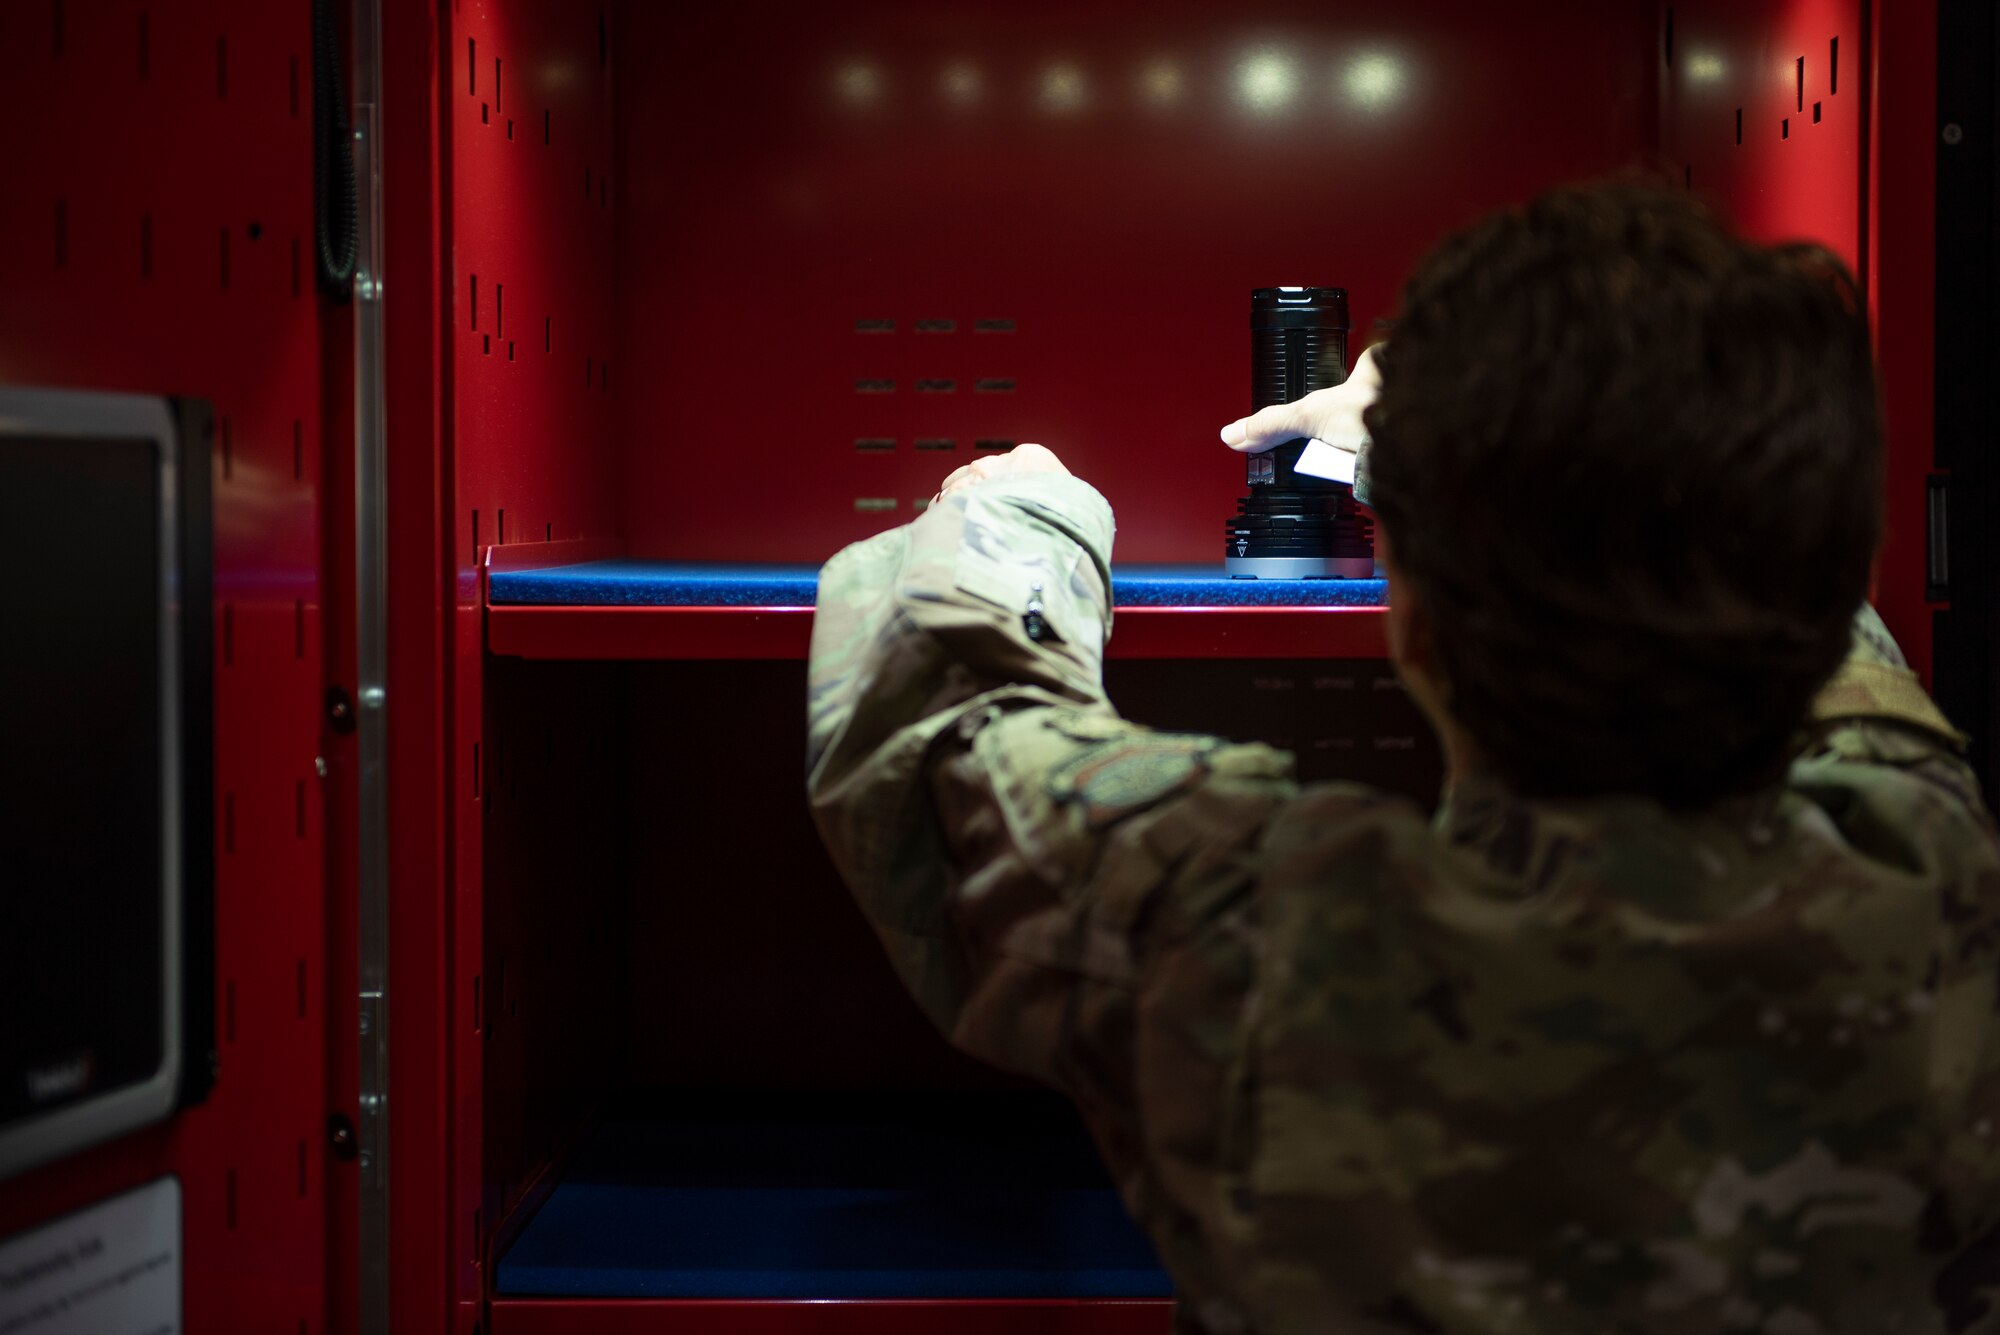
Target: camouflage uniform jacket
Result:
[1527, 1066]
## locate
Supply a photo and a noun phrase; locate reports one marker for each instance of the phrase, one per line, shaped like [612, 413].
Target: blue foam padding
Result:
[864, 1208]
[628, 583]
[1207, 586]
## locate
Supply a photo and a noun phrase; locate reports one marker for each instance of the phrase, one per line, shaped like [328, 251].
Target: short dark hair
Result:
[1631, 464]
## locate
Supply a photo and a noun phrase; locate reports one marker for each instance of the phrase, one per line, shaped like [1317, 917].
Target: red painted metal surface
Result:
[1248, 632]
[525, 100]
[649, 632]
[516, 1316]
[1797, 74]
[1816, 119]
[1113, 188]
[1112, 196]
[156, 237]
[785, 632]
[664, 361]
[427, 1229]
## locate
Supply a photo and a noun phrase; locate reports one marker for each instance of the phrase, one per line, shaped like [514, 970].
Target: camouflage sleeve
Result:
[1884, 764]
[1008, 836]
[914, 625]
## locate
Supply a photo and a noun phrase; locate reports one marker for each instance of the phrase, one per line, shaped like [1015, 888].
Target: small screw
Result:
[339, 710]
[340, 1134]
[1954, 133]
[319, 766]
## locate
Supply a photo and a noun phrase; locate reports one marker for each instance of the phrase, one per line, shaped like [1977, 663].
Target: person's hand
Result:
[1021, 459]
[1332, 415]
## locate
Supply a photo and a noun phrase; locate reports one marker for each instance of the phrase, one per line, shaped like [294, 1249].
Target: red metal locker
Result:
[643, 274]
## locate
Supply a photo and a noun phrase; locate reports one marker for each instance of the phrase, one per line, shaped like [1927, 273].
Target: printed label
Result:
[111, 1269]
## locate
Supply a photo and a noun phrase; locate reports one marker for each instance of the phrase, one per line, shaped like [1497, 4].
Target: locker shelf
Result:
[795, 1202]
[631, 609]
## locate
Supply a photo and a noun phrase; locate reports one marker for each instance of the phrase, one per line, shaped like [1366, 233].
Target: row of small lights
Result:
[1266, 82]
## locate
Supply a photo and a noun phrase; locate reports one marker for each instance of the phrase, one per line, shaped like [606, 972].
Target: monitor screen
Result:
[94, 771]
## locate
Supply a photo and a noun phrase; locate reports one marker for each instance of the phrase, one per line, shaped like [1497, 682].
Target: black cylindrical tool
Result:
[1292, 525]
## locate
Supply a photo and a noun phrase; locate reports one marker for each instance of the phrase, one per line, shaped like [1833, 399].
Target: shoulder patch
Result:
[1116, 778]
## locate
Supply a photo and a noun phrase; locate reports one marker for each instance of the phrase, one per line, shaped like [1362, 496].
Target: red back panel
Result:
[1112, 188]
[156, 237]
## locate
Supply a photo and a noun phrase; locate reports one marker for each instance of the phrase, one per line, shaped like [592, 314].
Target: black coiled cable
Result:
[336, 220]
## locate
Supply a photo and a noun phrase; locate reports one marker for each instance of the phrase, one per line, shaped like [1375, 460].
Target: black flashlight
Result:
[1292, 525]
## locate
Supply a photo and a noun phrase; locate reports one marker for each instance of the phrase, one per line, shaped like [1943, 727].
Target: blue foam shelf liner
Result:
[916, 1203]
[632, 583]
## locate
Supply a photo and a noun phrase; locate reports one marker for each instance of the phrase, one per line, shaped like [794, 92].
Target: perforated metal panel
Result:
[1771, 109]
[527, 91]
[865, 242]
[155, 236]
[1767, 108]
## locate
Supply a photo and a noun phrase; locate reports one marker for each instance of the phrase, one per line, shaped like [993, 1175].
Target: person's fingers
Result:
[1332, 415]
[1366, 373]
[1027, 457]
[1270, 426]
[1033, 458]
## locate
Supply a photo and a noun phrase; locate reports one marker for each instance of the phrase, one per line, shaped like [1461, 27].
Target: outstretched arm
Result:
[1027, 858]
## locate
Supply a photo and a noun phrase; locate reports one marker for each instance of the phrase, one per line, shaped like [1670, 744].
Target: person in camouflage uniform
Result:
[1679, 1014]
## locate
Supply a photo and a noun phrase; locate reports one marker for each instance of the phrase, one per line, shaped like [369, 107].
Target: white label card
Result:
[1323, 460]
[113, 1268]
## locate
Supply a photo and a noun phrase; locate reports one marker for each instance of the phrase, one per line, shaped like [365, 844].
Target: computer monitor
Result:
[106, 825]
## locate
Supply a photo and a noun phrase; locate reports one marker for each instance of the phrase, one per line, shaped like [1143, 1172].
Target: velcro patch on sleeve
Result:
[1115, 778]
